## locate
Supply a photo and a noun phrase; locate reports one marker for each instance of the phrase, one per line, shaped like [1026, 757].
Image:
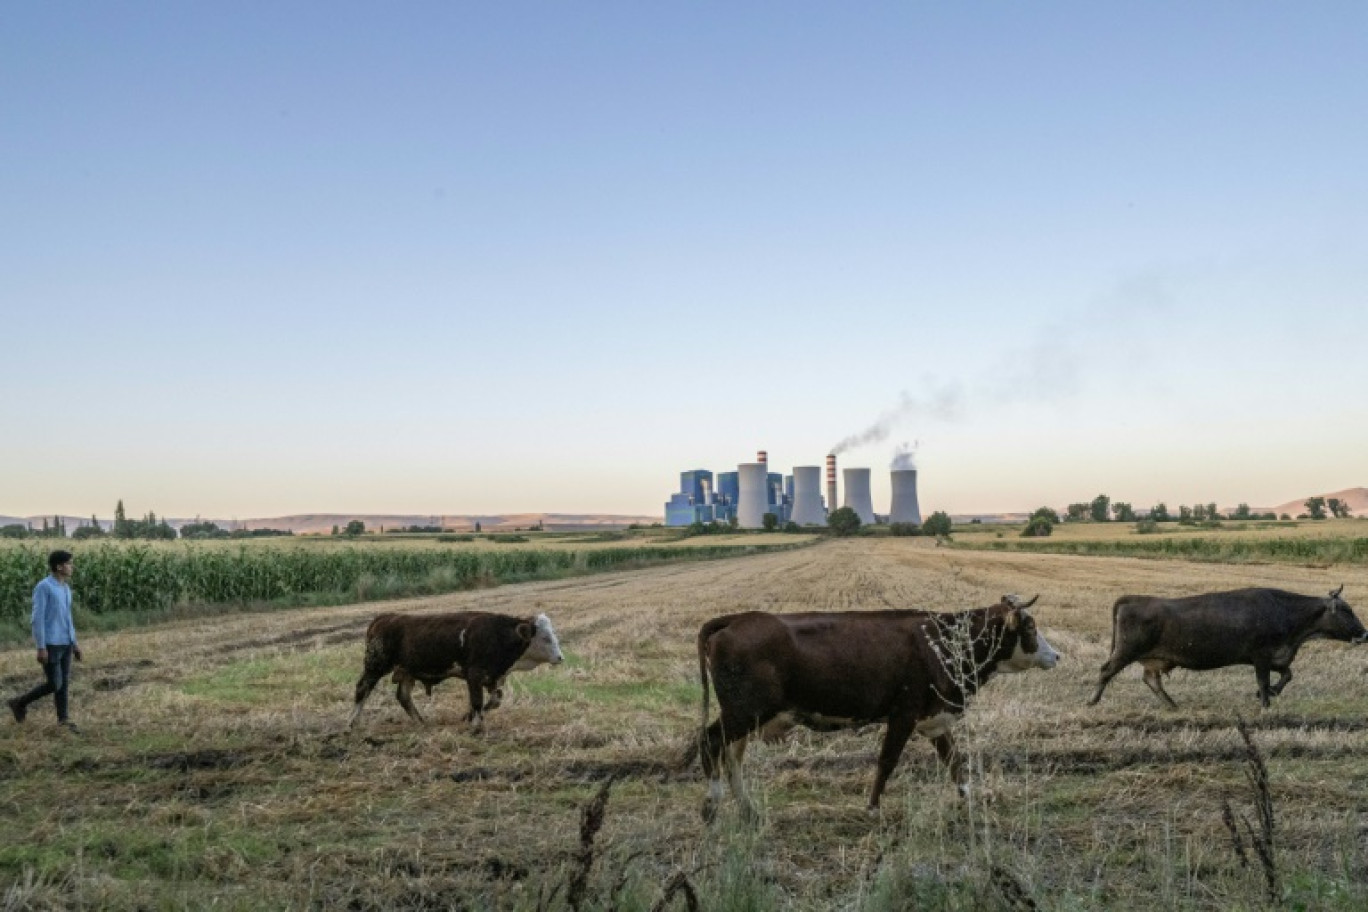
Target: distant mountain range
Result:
[323, 522]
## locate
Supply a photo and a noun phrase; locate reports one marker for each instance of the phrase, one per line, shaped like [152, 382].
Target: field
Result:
[121, 581]
[215, 767]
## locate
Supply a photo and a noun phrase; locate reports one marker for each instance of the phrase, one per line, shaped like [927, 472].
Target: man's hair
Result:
[57, 558]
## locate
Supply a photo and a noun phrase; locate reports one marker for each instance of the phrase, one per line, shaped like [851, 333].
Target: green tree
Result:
[1212, 511]
[121, 527]
[1159, 512]
[357, 527]
[1099, 509]
[1038, 527]
[1185, 514]
[1315, 507]
[844, 521]
[1123, 512]
[937, 523]
[1241, 512]
[1077, 512]
[1046, 513]
[1338, 508]
[770, 521]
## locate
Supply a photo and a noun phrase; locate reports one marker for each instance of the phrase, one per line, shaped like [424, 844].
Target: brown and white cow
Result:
[481, 647]
[912, 670]
[1259, 627]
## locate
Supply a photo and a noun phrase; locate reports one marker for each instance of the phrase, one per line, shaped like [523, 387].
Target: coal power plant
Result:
[750, 492]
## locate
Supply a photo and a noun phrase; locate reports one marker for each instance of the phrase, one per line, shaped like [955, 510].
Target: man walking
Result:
[55, 636]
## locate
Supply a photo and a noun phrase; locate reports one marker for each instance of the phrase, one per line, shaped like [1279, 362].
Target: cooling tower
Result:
[753, 499]
[831, 481]
[904, 508]
[857, 495]
[807, 497]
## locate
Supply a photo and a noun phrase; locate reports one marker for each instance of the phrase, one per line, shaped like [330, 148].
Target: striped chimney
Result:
[762, 457]
[831, 481]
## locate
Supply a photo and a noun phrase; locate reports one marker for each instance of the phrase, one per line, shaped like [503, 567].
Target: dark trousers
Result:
[57, 671]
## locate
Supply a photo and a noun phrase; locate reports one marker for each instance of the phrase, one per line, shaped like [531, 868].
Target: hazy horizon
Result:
[263, 259]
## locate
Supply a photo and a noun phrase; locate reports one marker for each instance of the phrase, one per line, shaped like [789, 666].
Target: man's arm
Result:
[41, 605]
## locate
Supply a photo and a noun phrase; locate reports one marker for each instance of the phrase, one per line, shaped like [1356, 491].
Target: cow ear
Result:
[526, 631]
[1336, 593]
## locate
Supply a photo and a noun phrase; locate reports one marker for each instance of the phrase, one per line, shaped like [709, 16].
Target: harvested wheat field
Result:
[215, 768]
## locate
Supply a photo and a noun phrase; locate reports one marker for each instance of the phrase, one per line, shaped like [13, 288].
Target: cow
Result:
[481, 647]
[913, 670]
[1259, 627]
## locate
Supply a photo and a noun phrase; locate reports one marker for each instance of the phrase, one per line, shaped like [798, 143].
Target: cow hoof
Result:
[708, 811]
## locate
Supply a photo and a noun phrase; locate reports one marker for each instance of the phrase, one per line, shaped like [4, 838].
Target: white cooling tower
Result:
[857, 495]
[904, 508]
[807, 496]
[753, 498]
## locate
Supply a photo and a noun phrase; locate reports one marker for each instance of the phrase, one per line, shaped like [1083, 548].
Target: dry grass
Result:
[216, 765]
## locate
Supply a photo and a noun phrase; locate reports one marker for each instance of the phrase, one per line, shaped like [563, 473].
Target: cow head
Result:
[1032, 650]
[1338, 622]
[542, 645]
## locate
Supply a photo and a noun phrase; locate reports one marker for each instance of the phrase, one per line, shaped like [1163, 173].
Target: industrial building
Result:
[750, 492]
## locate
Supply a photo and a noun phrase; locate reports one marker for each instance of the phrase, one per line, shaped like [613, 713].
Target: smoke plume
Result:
[904, 457]
[945, 402]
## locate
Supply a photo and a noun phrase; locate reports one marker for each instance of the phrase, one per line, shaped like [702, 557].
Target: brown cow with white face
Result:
[913, 670]
[1259, 627]
[481, 647]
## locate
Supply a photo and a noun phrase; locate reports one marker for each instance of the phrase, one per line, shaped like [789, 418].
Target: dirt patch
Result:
[196, 760]
[297, 640]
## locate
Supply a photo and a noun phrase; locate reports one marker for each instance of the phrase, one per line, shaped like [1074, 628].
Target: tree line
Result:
[149, 528]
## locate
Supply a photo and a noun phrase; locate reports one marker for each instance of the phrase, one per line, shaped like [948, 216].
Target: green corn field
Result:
[143, 577]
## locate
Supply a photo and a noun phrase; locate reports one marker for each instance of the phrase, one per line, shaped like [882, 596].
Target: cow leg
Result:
[1284, 675]
[495, 694]
[895, 739]
[404, 694]
[732, 756]
[710, 744]
[363, 690]
[1110, 669]
[950, 757]
[475, 684]
[1155, 679]
[1261, 673]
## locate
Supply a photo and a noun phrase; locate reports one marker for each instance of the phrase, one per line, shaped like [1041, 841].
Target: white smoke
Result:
[904, 457]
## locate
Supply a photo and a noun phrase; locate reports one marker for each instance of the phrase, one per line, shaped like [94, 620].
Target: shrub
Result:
[902, 528]
[1146, 527]
[937, 523]
[1038, 527]
[844, 521]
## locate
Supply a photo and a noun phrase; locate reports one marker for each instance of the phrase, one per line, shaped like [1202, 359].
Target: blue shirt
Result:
[52, 624]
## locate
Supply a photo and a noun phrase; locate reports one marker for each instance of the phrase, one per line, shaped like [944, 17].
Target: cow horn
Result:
[1336, 593]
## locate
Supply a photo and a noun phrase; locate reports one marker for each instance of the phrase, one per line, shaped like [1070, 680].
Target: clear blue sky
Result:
[265, 258]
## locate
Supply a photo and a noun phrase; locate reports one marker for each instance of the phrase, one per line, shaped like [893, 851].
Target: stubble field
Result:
[215, 766]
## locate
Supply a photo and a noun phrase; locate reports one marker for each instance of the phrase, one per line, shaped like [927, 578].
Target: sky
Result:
[438, 258]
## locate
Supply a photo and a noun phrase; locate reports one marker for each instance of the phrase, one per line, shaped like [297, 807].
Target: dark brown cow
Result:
[1259, 627]
[826, 671]
[478, 646]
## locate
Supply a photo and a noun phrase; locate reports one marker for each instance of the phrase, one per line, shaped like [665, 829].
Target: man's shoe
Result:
[19, 709]
[71, 727]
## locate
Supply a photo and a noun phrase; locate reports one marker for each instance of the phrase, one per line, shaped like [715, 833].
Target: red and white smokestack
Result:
[831, 481]
[762, 457]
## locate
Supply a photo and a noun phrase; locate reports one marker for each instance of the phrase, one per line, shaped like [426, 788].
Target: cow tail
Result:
[695, 741]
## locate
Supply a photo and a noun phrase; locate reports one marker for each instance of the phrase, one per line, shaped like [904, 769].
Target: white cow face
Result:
[543, 647]
[1032, 650]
